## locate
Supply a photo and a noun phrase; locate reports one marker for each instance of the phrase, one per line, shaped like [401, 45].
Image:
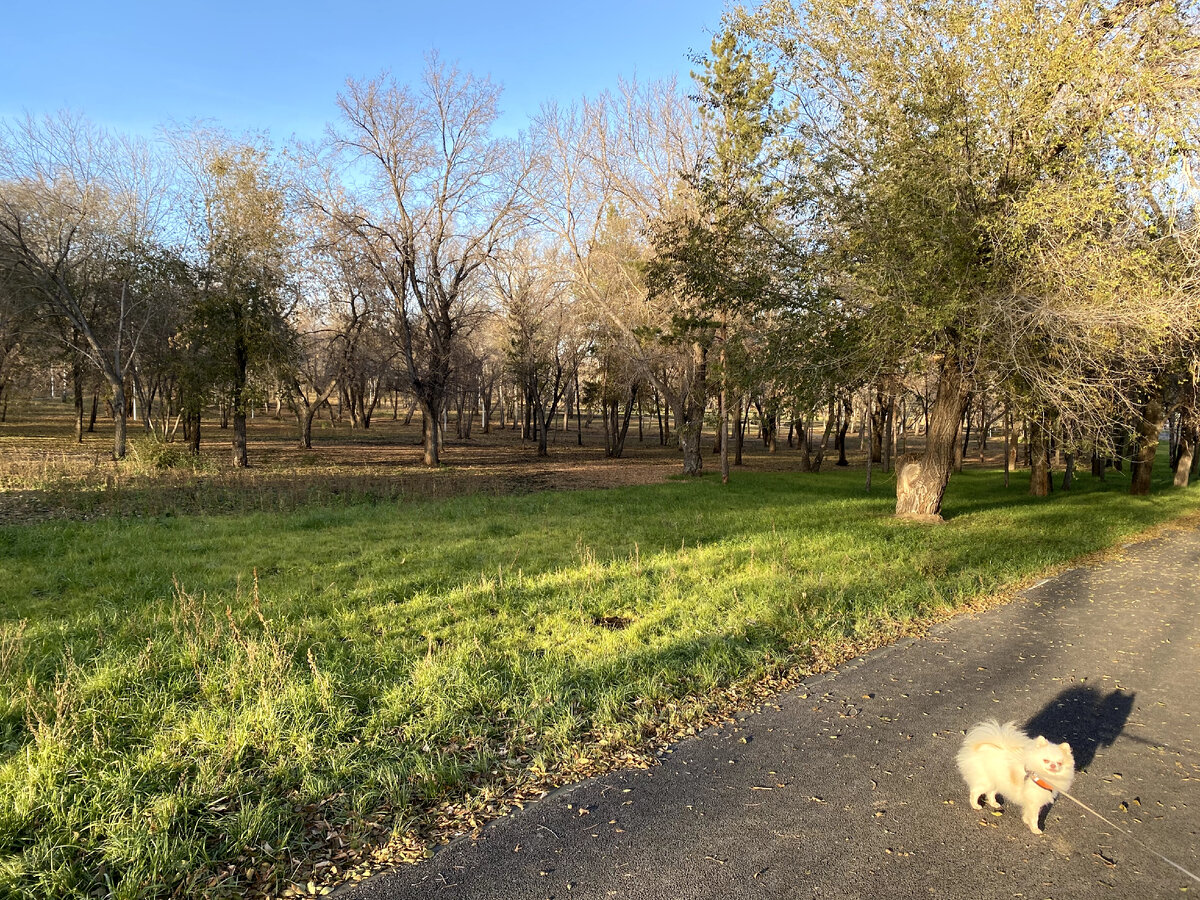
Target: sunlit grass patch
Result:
[199, 705]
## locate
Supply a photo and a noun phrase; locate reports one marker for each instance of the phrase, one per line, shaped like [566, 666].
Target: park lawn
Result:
[206, 705]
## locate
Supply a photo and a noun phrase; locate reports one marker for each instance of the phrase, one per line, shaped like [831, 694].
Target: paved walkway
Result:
[846, 787]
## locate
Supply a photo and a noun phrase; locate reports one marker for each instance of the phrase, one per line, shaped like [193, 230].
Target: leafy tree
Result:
[933, 139]
[720, 251]
[243, 240]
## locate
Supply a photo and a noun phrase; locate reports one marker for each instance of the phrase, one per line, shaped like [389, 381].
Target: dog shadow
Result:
[1085, 718]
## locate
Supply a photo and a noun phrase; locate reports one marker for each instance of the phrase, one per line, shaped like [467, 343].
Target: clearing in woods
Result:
[358, 657]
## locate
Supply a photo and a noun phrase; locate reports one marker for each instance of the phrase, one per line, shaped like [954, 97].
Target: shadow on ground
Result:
[1085, 718]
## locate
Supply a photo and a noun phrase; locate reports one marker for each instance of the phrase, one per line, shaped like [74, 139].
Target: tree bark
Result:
[1014, 442]
[543, 445]
[691, 413]
[1188, 433]
[819, 456]
[723, 408]
[689, 443]
[120, 420]
[1008, 451]
[802, 444]
[306, 422]
[1040, 484]
[889, 433]
[876, 428]
[77, 386]
[430, 432]
[960, 449]
[1069, 471]
[872, 431]
[840, 442]
[921, 480]
[239, 398]
[1148, 426]
[739, 431]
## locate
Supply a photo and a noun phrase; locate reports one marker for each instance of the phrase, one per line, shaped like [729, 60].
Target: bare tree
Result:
[79, 207]
[340, 308]
[434, 195]
[613, 166]
[542, 335]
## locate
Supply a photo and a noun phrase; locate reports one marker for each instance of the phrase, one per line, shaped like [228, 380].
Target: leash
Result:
[1040, 782]
[1176, 865]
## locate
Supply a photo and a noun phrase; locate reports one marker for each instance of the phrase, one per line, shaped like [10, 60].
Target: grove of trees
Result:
[949, 215]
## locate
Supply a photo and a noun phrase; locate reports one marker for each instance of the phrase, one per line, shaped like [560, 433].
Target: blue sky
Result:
[278, 66]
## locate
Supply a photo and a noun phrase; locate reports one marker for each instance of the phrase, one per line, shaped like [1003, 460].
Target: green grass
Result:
[167, 721]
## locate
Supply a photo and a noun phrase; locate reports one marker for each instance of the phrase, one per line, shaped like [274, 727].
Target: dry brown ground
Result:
[45, 474]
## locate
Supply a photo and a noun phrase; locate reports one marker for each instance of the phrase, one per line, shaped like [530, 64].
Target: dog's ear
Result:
[1041, 741]
[1065, 747]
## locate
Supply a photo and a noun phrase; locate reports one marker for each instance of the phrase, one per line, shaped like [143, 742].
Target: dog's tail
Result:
[1006, 738]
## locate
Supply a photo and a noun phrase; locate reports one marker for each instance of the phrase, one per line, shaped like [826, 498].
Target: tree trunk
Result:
[1008, 451]
[960, 450]
[543, 447]
[921, 480]
[840, 443]
[306, 423]
[689, 443]
[1148, 426]
[723, 415]
[690, 416]
[120, 420]
[819, 456]
[739, 431]
[889, 433]
[608, 419]
[241, 458]
[1040, 483]
[872, 431]
[194, 433]
[1188, 433]
[77, 386]
[880, 428]
[578, 409]
[804, 446]
[430, 433]
[658, 412]
[1014, 442]
[619, 447]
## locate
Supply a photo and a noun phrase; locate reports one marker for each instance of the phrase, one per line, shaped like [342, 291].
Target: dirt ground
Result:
[45, 474]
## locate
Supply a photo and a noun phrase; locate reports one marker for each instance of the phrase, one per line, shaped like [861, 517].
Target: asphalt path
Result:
[846, 787]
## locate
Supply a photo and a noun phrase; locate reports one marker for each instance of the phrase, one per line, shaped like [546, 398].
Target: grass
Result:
[204, 705]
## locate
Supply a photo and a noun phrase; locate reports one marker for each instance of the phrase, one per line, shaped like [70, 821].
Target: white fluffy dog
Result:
[1002, 759]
